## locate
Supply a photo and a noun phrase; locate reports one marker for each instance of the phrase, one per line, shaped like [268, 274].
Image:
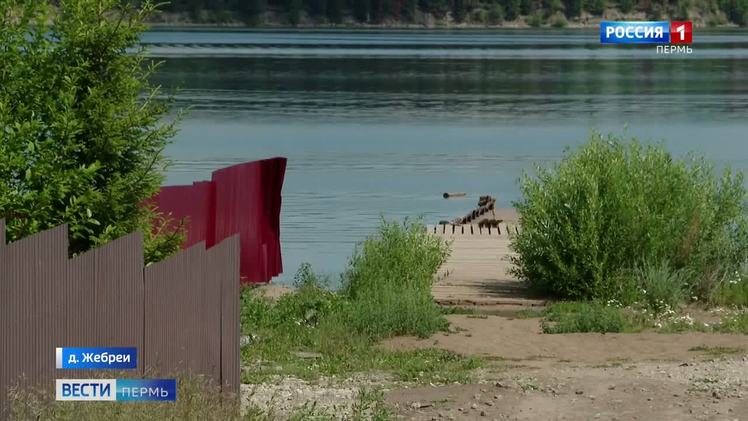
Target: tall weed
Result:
[661, 287]
[388, 281]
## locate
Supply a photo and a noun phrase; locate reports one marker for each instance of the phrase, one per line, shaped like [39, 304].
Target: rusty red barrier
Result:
[243, 199]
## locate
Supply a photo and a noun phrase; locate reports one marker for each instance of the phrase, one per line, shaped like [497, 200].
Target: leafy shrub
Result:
[82, 130]
[570, 317]
[389, 279]
[513, 9]
[597, 7]
[736, 11]
[495, 14]
[626, 6]
[558, 20]
[536, 20]
[573, 8]
[615, 203]
[527, 7]
[479, 16]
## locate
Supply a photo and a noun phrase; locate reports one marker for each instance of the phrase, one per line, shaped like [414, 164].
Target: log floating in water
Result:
[455, 194]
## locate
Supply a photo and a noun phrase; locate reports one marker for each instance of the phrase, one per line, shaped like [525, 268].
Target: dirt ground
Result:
[528, 375]
[646, 376]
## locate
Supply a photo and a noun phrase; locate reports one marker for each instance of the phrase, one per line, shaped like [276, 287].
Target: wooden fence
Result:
[182, 314]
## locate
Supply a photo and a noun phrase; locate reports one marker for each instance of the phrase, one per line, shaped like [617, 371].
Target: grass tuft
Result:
[570, 317]
[717, 351]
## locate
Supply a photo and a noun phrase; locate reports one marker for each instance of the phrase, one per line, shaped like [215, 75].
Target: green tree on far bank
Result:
[512, 8]
[82, 131]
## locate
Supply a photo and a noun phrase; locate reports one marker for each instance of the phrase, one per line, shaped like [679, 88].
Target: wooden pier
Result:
[477, 271]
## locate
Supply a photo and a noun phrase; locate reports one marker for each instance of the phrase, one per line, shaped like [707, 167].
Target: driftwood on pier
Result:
[483, 215]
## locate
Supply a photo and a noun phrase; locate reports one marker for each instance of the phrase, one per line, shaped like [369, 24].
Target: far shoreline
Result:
[586, 22]
[161, 26]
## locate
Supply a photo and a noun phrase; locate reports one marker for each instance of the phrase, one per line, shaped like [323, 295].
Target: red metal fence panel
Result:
[248, 202]
[193, 204]
[243, 199]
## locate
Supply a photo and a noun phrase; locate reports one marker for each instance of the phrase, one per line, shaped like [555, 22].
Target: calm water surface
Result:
[381, 123]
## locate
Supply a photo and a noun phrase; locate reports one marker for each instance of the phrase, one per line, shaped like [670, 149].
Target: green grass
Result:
[571, 317]
[386, 292]
[737, 323]
[195, 401]
[529, 314]
[581, 317]
[681, 325]
[717, 351]
[732, 291]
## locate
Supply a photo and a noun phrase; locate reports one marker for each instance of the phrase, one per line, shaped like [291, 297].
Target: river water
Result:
[381, 123]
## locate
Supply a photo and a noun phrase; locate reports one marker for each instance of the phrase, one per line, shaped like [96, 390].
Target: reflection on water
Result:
[381, 123]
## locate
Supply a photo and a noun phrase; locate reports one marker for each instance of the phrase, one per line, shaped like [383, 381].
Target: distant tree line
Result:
[489, 12]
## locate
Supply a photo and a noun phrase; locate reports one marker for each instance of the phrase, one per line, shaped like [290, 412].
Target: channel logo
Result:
[660, 32]
[116, 390]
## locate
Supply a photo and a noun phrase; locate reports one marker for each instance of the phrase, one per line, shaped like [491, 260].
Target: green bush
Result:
[626, 6]
[82, 128]
[536, 20]
[513, 9]
[389, 281]
[736, 11]
[558, 20]
[614, 203]
[495, 14]
[573, 8]
[597, 7]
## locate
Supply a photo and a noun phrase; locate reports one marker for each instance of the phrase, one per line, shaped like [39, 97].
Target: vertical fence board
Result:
[29, 267]
[119, 294]
[5, 341]
[225, 262]
[182, 316]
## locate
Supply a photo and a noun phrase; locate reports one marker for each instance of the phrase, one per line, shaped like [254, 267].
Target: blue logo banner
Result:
[116, 390]
[146, 390]
[635, 32]
[96, 358]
